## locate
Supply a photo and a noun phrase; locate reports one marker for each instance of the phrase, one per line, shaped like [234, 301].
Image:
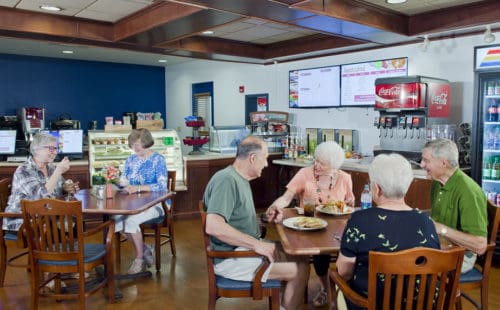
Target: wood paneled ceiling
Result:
[252, 31]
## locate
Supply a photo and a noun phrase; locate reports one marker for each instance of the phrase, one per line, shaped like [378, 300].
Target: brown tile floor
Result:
[181, 284]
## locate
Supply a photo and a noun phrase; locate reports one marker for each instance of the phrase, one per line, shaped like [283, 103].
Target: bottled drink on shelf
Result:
[492, 113]
[366, 197]
[495, 170]
[497, 88]
[487, 169]
[490, 90]
[490, 139]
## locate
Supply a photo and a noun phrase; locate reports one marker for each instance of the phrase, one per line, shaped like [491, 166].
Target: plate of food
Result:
[337, 207]
[305, 223]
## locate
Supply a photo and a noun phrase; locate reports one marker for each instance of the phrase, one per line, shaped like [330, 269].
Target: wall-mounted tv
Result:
[69, 142]
[358, 79]
[7, 142]
[314, 88]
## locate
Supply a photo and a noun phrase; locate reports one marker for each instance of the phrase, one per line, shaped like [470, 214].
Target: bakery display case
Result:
[225, 139]
[111, 149]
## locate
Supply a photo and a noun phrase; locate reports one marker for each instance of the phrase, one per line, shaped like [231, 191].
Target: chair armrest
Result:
[257, 280]
[348, 292]
[10, 215]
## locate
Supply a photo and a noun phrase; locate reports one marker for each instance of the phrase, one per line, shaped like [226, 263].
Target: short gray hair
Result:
[330, 152]
[41, 139]
[392, 173]
[250, 144]
[444, 149]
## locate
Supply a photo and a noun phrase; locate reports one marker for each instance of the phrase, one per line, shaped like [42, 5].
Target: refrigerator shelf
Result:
[490, 181]
[491, 151]
[492, 123]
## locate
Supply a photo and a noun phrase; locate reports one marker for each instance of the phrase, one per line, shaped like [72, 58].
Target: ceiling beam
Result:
[20, 21]
[478, 13]
[307, 44]
[153, 16]
[218, 46]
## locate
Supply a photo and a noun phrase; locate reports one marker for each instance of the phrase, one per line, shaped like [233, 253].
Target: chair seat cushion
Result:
[155, 221]
[473, 275]
[92, 252]
[228, 284]
[10, 235]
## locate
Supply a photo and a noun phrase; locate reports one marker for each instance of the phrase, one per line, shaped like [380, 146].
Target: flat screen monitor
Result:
[69, 142]
[315, 87]
[7, 142]
[358, 80]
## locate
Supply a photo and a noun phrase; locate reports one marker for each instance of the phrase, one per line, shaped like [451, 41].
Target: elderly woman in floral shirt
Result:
[37, 178]
[145, 171]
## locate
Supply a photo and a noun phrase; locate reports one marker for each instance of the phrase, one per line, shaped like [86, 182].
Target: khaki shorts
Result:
[244, 268]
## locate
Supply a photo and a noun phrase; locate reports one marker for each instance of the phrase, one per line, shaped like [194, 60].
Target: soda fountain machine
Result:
[410, 107]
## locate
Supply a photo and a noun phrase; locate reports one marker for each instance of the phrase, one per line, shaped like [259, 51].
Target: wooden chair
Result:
[223, 287]
[166, 221]
[56, 243]
[9, 237]
[416, 274]
[478, 277]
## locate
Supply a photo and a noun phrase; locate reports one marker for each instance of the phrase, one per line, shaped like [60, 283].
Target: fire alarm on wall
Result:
[242, 89]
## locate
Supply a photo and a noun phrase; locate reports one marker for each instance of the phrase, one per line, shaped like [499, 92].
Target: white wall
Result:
[450, 59]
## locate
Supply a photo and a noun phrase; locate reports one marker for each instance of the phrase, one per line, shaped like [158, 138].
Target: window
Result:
[202, 107]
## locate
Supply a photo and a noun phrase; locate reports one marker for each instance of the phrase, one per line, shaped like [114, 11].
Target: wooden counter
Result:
[418, 195]
[199, 170]
[79, 171]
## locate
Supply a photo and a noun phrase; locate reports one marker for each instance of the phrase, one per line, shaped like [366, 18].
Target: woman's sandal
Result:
[321, 298]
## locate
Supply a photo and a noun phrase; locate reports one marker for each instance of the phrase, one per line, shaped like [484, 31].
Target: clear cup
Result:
[309, 205]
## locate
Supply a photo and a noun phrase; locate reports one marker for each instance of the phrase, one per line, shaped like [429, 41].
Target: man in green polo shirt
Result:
[458, 202]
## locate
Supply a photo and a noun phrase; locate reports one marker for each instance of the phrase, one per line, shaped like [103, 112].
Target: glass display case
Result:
[111, 148]
[225, 139]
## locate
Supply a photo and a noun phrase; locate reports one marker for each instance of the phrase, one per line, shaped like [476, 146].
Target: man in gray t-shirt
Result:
[232, 224]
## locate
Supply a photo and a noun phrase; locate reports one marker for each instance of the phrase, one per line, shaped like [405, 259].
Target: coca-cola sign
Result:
[397, 96]
[439, 100]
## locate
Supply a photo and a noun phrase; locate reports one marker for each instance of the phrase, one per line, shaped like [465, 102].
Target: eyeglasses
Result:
[51, 148]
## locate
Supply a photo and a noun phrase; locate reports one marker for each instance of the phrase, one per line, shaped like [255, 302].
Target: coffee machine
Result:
[32, 120]
[409, 106]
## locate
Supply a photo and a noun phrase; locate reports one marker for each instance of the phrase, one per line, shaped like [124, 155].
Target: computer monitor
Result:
[7, 143]
[69, 142]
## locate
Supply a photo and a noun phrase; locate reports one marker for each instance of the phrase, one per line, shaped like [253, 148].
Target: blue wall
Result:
[86, 90]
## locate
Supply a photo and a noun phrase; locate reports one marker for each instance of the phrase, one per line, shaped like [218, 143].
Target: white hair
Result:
[392, 173]
[330, 152]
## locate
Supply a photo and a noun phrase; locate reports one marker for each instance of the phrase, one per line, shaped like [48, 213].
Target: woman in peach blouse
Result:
[322, 183]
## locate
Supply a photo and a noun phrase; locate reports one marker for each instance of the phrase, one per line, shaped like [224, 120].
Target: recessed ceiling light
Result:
[395, 1]
[67, 52]
[162, 60]
[50, 8]
[208, 32]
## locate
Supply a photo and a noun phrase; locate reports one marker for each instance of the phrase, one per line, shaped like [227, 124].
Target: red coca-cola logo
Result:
[440, 99]
[394, 91]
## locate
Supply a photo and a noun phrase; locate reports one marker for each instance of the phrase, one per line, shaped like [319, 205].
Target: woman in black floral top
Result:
[389, 227]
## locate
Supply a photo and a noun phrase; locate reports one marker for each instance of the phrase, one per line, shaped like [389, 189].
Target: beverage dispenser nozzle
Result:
[382, 125]
[416, 124]
[402, 126]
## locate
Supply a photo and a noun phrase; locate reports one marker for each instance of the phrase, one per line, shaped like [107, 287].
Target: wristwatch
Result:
[444, 231]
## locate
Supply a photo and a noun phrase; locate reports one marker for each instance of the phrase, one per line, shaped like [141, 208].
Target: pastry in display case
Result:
[111, 149]
[273, 127]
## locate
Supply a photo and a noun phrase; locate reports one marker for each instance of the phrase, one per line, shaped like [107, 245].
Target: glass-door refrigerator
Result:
[486, 124]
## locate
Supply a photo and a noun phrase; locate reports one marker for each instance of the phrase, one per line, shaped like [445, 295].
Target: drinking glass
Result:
[69, 188]
[309, 205]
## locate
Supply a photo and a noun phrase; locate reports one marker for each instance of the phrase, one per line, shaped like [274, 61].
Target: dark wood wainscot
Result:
[199, 172]
[78, 173]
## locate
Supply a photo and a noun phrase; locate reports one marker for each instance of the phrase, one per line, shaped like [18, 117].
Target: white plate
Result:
[290, 223]
[353, 160]
[349, 210]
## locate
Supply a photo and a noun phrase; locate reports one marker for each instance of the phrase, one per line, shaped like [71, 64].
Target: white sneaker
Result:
[148, 255]
[137, 266]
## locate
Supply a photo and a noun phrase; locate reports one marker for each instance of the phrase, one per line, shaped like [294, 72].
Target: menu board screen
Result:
[314, 88]
[358, 80]
[69, 142]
